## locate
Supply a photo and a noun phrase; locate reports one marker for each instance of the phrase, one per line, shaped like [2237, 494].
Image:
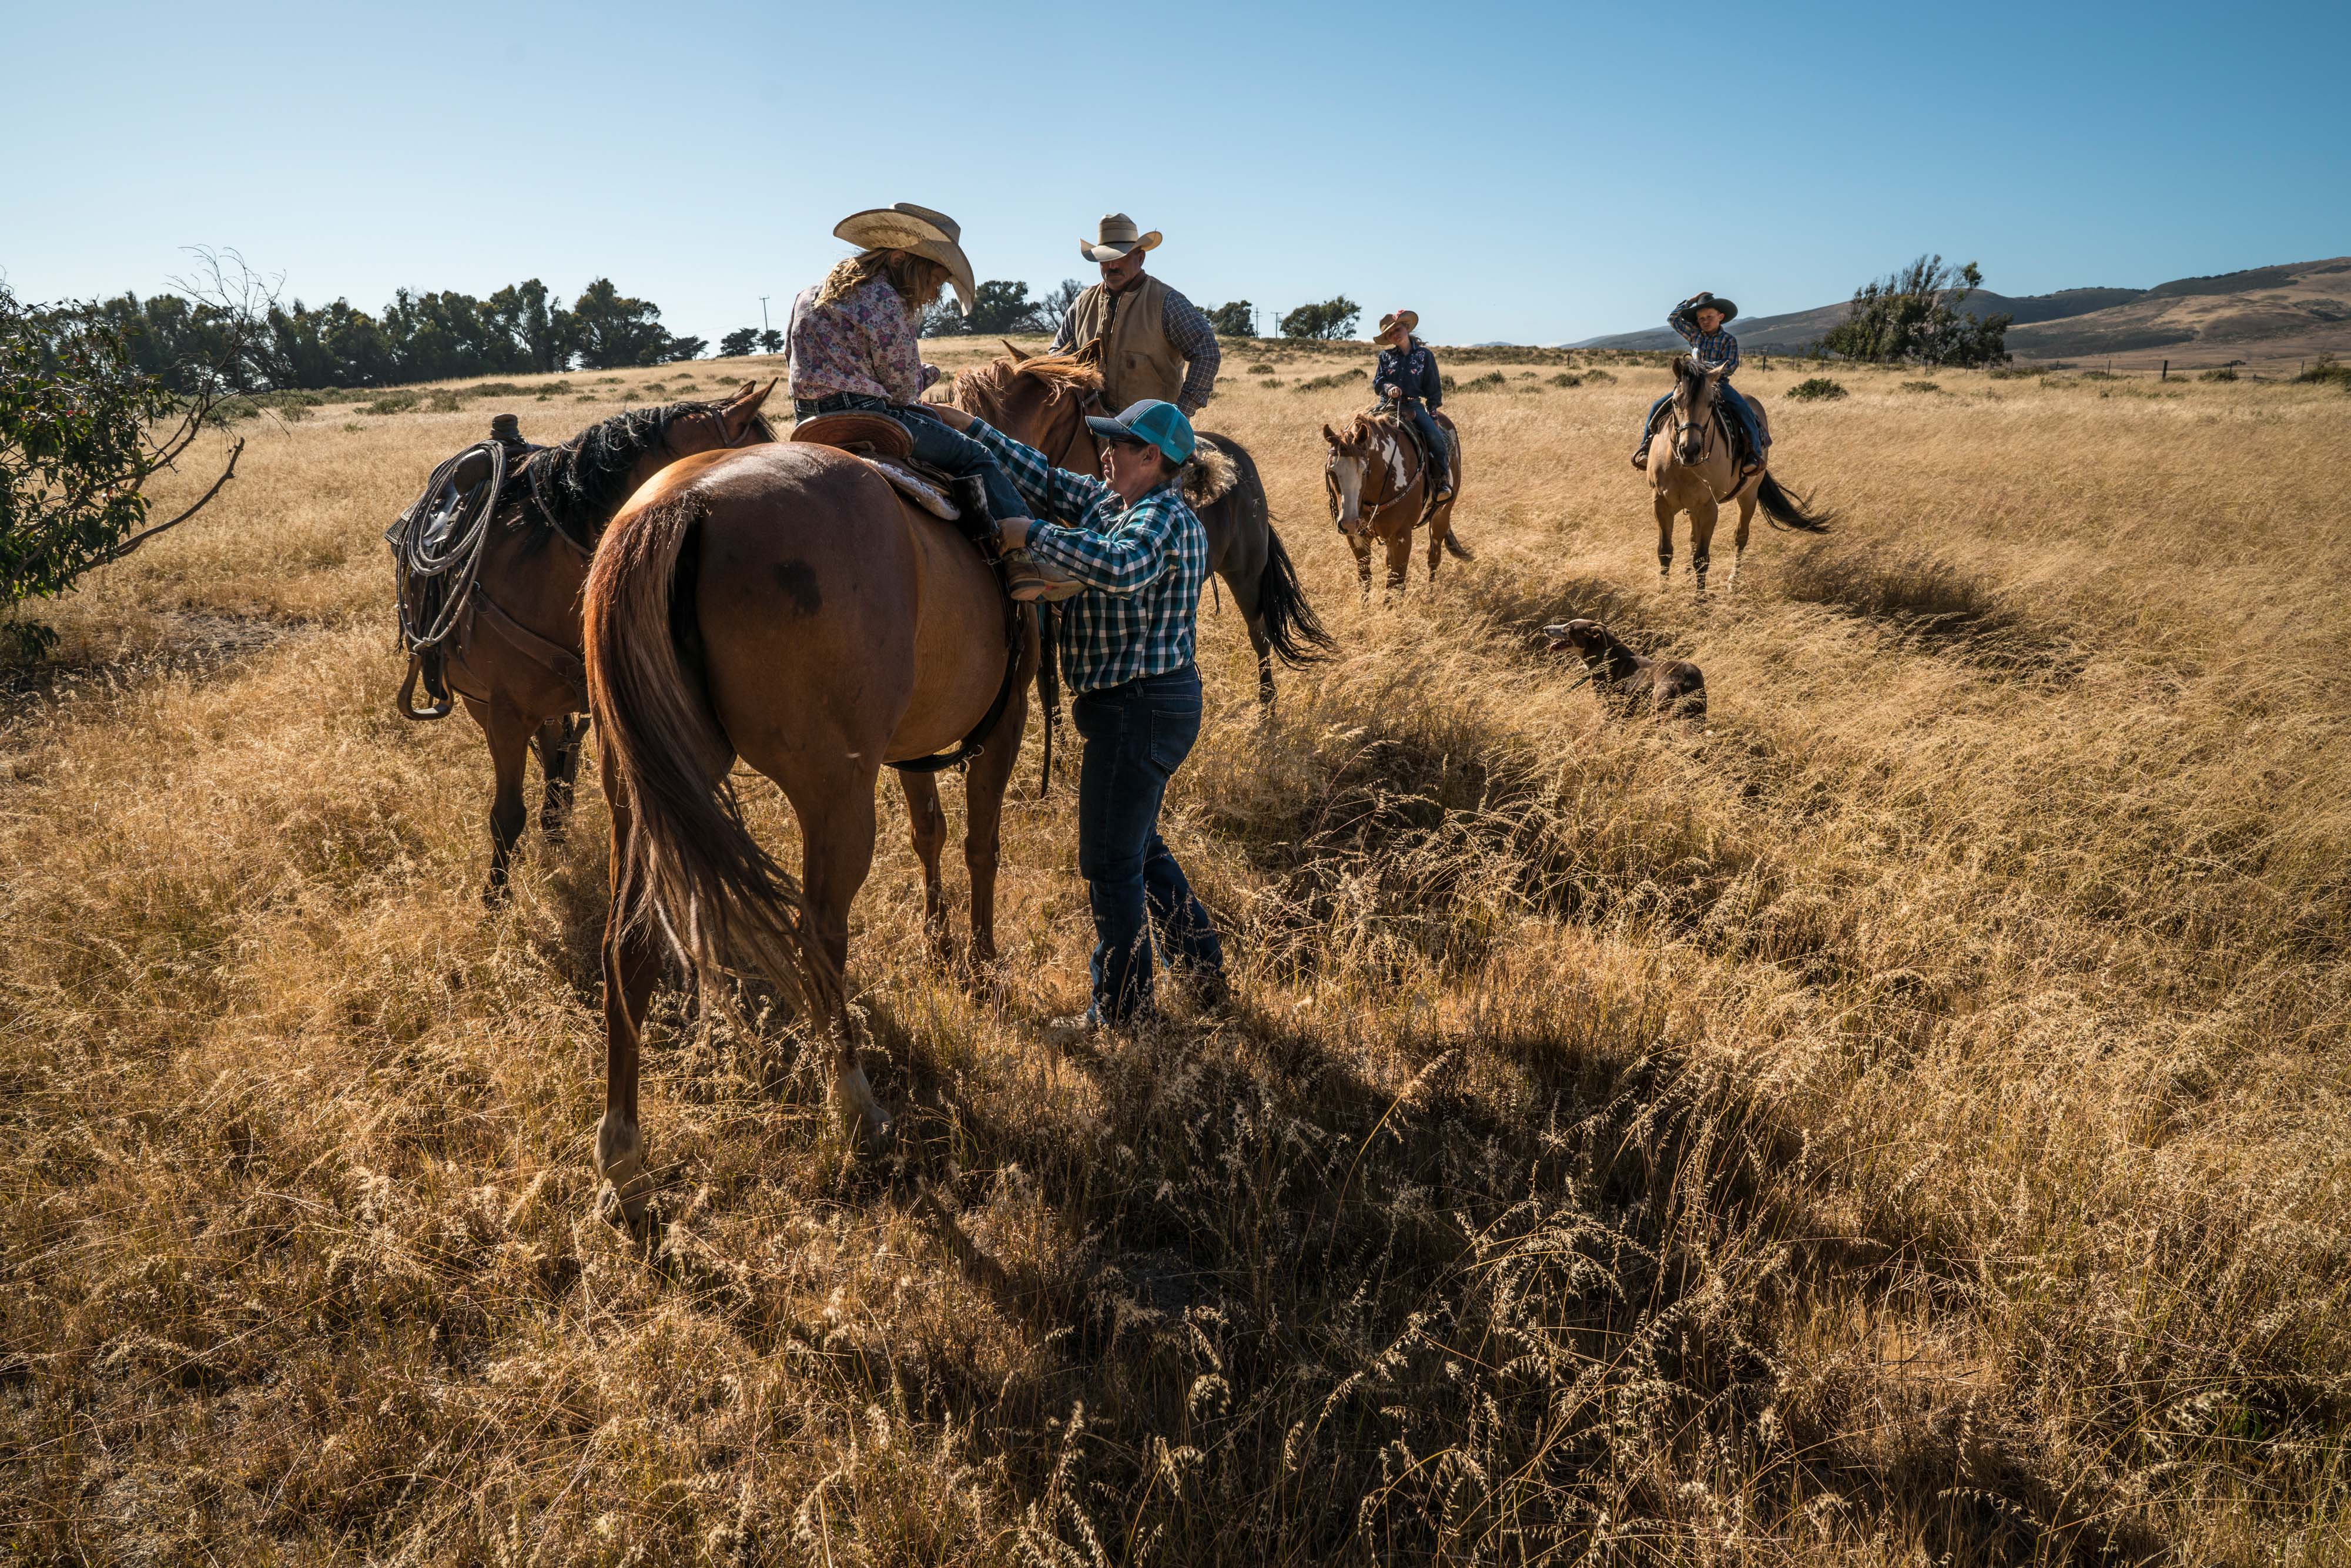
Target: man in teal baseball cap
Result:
[1126, 643]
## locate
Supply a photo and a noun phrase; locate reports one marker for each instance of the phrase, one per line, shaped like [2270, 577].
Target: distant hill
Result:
[2265, 312]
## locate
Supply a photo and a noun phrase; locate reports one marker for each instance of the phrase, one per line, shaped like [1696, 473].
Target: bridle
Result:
[1703, 424]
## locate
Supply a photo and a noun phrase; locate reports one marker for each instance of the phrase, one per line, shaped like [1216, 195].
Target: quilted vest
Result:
[1137, 361]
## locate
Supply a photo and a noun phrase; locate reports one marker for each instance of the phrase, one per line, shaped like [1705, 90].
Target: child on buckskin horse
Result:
[1407, 377]
[851, 345]
[1700, 320]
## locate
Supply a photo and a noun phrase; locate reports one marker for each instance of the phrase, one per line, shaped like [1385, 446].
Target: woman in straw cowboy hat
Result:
[851, 345]
[1155, 343]
[1701, 319]
[1407, 377]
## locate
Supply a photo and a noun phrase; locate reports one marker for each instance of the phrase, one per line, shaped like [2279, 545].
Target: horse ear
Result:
[1017, 356]
[1332, 436]
[754, 392]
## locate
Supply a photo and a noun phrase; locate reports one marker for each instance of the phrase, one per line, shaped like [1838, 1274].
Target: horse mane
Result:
[982, 390]
[576, 487]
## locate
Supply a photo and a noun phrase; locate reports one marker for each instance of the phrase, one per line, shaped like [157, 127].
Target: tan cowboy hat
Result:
[1407, 319]
[1114, 236]
[918, 231]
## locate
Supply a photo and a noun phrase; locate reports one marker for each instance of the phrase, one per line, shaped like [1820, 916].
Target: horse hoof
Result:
[621, 1160]
[494, 893]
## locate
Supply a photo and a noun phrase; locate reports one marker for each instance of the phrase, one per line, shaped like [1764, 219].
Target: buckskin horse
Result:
[784, 605]
[510, 619]
[1042, 399]
[1691, 469]
[1377, 482]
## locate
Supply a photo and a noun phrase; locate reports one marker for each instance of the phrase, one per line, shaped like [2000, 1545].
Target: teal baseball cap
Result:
[1151, 421]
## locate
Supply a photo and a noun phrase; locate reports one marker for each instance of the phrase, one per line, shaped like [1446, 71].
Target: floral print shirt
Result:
[863, 344]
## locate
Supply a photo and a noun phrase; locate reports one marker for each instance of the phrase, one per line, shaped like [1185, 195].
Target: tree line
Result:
[417, 337]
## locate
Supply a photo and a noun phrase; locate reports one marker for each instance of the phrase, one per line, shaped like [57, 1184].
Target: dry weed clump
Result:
[1904, 1120]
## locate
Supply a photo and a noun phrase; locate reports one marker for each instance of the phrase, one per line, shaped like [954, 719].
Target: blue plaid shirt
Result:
[1710, 348]
[1145, 565]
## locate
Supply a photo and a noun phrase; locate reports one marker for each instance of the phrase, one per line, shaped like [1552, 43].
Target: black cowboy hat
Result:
[1706, 301]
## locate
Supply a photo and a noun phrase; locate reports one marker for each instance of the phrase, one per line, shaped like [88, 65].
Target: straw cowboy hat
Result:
[918, 231]
[1706, 301]
[1407, 319]
[1114, 236]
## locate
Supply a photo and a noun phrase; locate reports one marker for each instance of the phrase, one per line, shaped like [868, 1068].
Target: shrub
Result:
[1921, 387]
[1340, 378]
[1490, 379]
[1260, 369]
[1597, 374]
[1565, 380]
[2225, 373]
[1814, 388]
[2098, 376]
[392, 403]
[2324, 371]
[495, 389]
[1271, 381]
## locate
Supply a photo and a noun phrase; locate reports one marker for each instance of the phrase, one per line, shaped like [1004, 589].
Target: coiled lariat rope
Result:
[436, 581]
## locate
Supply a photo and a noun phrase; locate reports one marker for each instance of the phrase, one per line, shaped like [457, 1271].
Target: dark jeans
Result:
[1136, 735]
[1742, 417]
[1440, 451]
[937, 444]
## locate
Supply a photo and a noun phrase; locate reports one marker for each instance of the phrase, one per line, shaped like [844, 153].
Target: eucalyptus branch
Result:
[143, 535]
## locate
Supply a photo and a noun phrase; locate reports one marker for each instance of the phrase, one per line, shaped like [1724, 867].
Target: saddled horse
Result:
[1692, 469]
[512, 649]
[1378, 485]
[785, 606]
[1042, 399]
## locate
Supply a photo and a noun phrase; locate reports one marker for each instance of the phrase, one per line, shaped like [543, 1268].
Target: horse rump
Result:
[1782, 509]
[688, 862]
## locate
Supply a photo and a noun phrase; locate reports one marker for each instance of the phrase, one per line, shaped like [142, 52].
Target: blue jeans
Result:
[1439, 449]
[1740, 411]
[936, 443]
[1137, 734]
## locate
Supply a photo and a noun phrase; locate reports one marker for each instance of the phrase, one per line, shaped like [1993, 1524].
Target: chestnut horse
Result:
[1377, 483]
[1041, 400]
[782, 605]
[515, 655]
[1691, 469]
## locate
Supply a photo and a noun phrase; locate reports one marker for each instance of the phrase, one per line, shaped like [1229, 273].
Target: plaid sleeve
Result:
[1054, 492]
[1194, 338]
[1685, 322]
[1127, 559]
[1726, 351]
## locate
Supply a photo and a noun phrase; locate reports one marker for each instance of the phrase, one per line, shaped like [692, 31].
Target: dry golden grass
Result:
[1905, 1122]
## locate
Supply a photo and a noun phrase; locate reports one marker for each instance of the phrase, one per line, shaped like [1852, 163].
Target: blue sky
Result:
[1528, 173]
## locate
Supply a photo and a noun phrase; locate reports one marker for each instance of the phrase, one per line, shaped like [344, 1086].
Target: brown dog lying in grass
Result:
[1626, 680]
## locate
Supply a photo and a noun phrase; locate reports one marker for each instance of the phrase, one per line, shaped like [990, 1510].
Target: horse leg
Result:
[1399, 558]
[631, 965]
[836, 817]
[1441, 525]
[1701, 516]
[1746, 516]
[556, 743]
[929, 821]
[1361, 545]
[509, 736]
[983, 787]
[1245, 598]
[1665, 510]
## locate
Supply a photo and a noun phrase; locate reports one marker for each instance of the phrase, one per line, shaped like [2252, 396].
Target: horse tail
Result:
[1456, 548]
[1784, 510]
[1292, 629]
[688, 863]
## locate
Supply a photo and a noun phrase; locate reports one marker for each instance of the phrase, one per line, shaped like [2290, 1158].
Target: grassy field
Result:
[1908, 1122]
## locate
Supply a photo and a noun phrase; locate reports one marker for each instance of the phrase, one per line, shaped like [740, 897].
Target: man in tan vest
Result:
[1155, 343]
